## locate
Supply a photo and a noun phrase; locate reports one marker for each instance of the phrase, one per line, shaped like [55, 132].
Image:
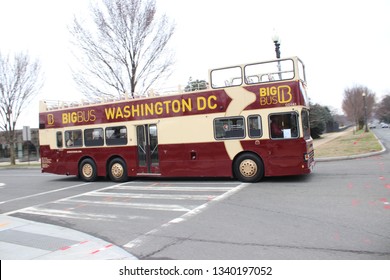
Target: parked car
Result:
[384, 125]
[371, 125]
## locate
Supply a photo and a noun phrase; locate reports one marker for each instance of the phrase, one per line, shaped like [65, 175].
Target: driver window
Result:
[283, 125]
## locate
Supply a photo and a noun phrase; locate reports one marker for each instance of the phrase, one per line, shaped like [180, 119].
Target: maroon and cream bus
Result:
[251, 121]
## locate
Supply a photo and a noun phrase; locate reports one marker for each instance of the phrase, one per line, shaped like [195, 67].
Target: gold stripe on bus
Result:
[241, 98]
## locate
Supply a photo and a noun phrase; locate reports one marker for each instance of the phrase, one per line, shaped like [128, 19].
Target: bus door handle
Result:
[193, 155]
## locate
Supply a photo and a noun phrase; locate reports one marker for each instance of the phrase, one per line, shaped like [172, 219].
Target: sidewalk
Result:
[26, 240]
[25, 164]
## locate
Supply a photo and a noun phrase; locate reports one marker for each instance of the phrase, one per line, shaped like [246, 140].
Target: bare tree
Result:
[20, 81]
[123, 50]
[353, 104]
[383, 109]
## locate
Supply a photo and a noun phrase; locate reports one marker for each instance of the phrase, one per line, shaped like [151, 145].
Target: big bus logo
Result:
[275, 95]
[50, 119]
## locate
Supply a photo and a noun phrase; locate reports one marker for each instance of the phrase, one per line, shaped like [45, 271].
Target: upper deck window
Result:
[269, 71]
[226, 77]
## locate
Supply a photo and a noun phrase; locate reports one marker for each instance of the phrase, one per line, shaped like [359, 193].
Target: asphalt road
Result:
[340, 211]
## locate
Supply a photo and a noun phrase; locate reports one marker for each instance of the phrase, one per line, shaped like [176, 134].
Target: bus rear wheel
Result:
[117, 170]
[88, 170]
[248, 168]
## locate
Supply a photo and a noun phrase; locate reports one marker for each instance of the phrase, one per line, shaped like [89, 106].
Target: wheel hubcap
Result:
[117, 170]
[248, 168]
[87, 170]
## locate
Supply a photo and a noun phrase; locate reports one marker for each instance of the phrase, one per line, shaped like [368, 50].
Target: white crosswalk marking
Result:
[67, 214]
[178, 188]
[152, 196]
[138, 209]
[144, 206]
[140, 196]
[143, 238]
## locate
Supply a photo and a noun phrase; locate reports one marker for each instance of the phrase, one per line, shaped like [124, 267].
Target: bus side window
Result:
[229, 128]
[59, 139]
[254, 126]
[116, 135]
[68, 139]
[283, 125]
[93, 137]
[73, 138]
[306, 124]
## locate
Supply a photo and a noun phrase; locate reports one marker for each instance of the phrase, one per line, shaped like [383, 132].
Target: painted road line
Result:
[152, 196]
[171, 188]
[144, 237]
[102, 249]
[27, 175]
[56, 201]
[144, 206]
[63, 199]
[43, 193]
[67, 214]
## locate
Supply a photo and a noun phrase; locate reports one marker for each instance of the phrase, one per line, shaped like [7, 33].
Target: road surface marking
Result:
[151, 196]
[144, 237]
[144, 206]
[43, 193]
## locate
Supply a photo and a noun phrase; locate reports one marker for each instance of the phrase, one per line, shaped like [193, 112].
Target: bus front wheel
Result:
[248, 168]
[88, 170]
[117, 170]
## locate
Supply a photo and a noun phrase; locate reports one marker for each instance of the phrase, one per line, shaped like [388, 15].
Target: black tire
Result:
[248, 168]
[117, 170]
[88, 170]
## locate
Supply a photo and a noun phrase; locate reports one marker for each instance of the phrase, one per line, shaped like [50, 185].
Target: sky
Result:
[343, 43]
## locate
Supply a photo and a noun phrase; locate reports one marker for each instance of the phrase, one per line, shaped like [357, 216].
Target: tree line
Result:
[359, 102]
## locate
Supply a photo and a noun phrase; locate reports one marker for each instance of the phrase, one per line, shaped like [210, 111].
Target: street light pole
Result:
[365, 112]
[276, 40]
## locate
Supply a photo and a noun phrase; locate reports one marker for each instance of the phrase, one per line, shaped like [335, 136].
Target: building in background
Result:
[27, 146]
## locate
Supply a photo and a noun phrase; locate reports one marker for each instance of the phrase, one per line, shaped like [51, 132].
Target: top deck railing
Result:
[248, 74]
[52, 105]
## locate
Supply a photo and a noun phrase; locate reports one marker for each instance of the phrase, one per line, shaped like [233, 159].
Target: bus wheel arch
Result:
[248, 167]
[117, 169]
[88, 169]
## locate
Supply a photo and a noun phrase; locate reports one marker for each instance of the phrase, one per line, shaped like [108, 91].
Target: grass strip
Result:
[354, 143]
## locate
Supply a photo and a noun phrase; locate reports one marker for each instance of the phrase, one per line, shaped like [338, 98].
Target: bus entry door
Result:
[147, 146]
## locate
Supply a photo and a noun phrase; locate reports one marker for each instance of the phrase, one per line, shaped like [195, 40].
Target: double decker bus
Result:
[248, 122]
